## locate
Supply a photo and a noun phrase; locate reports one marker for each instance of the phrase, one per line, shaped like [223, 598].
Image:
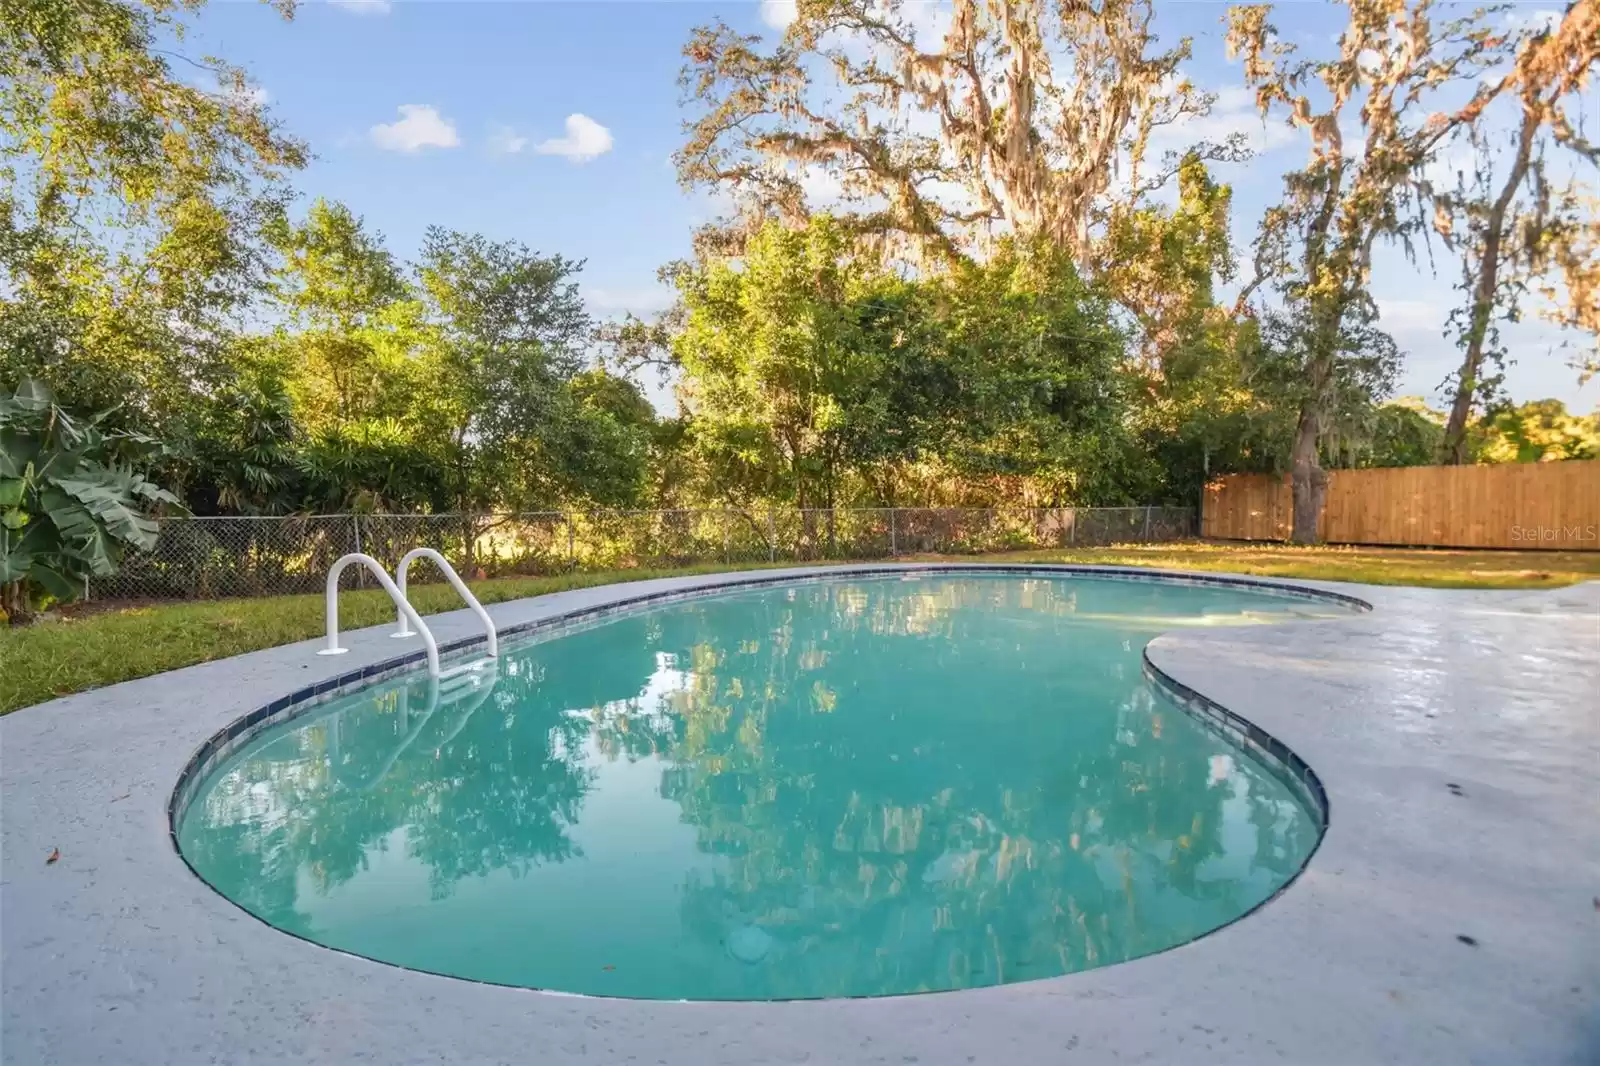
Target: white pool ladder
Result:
[411, 623]
[450, 575]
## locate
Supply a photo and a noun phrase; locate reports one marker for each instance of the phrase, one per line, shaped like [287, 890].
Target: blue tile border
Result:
[1270, 752]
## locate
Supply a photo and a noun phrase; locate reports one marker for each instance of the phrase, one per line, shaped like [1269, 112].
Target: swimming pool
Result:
[863, 786]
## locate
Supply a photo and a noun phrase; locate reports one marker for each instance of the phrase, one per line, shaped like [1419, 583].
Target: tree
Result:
[1567, 273]
[1043, 393]
[1207, 411]
[1017, 122]
[352, 324]
[1537, 432]
[508, 334]
[815, 376]
[775, 365]
[1161, 264]
[1403, 432]
[376, 465]
[71, 499]
[247, 449]
[1503, 218]
[132, 203]
[1315, 246]
[1361, 368]
[354, 350]
[611, 441]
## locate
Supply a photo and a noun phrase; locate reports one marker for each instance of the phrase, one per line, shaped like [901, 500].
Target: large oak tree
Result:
[1023, 118]
[1508, 218]
[1375, 113]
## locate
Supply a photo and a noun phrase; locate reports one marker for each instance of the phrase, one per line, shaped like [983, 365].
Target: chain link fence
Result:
[209, 558]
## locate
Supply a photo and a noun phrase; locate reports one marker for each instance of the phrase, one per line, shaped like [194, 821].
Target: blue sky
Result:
[553, 123]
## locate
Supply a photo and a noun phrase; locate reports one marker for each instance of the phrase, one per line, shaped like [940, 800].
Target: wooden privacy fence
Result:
[1512, 505]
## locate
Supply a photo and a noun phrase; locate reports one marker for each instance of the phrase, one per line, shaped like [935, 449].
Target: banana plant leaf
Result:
[68, 511]
[82, 537]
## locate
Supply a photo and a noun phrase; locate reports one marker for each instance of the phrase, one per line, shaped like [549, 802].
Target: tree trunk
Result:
[1453, 448]
[1308, 481]
[14, 603]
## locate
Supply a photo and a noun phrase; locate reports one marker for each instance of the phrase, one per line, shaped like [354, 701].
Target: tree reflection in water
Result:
[877, 786]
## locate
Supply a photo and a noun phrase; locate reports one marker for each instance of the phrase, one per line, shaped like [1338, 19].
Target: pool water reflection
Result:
[852, 788]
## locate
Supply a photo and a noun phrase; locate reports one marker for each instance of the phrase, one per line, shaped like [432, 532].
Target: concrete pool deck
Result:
[1451, 915]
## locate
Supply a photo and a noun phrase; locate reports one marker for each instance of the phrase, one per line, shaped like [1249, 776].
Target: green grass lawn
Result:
[92, 648]
[1425, 567]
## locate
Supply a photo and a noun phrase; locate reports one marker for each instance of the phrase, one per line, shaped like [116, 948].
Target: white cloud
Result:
[778, 13]
[364, 7]
[1536, 361]
[586, 139]
[820, 185]
[709, 203]
[419, 126]
[1233, 111]
[1354, 139]
[930, 22]
[1447, 166]
[1412, 317]
[643, 301]
[1538, 19]
[926, 22]
[251, 96]
[953, 195]
[506, 141]
[1235, 98]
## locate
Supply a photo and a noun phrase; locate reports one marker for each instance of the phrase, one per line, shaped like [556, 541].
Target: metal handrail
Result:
[407, 611]
[460, 587]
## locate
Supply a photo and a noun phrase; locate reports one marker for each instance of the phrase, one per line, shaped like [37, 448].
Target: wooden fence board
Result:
[1511, 505]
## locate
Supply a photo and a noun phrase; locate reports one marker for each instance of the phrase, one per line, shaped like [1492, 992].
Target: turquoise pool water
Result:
[854, 788]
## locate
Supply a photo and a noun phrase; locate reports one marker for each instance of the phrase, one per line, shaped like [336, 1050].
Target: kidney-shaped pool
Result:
[857, 787]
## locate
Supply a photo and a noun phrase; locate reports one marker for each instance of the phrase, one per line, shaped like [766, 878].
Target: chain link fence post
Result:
[361, 571]
[894, 538]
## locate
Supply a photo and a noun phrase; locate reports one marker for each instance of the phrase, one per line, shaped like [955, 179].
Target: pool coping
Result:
[1249, 739]
[1366, 958]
